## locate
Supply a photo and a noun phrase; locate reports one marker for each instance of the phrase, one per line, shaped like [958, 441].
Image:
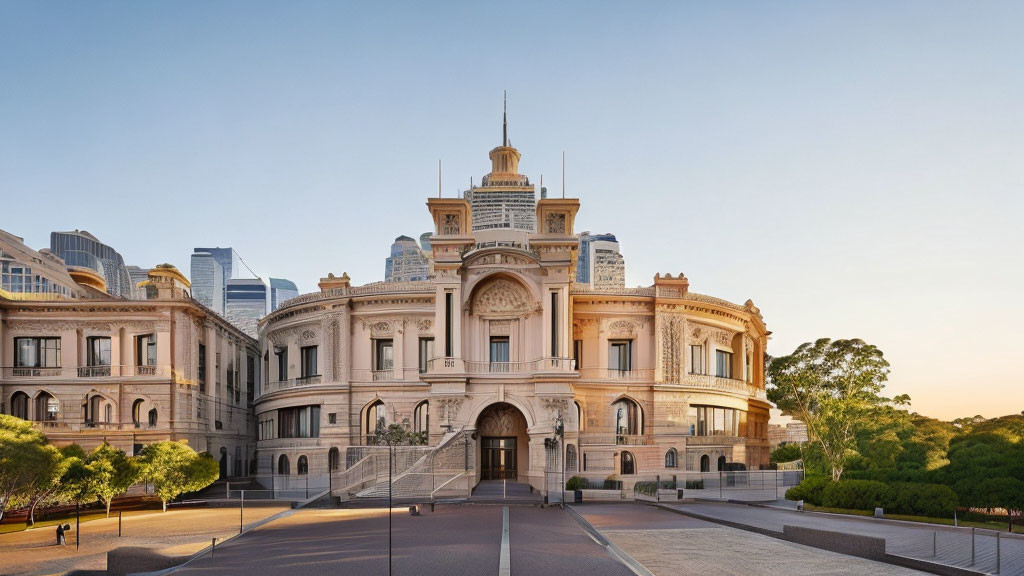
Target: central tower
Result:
[505, 199]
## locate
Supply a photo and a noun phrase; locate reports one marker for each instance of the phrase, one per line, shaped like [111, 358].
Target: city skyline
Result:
[873, 199]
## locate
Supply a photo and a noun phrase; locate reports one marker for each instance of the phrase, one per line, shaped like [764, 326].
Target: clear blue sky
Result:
[856, 169]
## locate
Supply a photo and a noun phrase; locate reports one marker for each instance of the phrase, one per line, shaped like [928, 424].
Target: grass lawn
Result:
[1001, 526]
[92, 515]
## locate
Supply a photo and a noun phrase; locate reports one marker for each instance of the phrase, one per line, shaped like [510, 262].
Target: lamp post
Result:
[560, 432]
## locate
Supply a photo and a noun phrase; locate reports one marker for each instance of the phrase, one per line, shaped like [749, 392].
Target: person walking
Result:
[60, 535]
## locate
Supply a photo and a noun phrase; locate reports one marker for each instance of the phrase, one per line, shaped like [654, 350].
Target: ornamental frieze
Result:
[502, 297]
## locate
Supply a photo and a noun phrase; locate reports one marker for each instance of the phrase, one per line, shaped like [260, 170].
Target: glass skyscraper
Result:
[79, 249]
[207, 277]
[246, 303]
[281, 290]
[407, 263]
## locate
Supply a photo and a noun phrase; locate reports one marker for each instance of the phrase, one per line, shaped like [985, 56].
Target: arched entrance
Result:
[504, 443]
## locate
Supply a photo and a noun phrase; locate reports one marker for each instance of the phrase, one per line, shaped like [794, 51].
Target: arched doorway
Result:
[705, 463]
[333, 459]
[47, 407]
[721, 463]
[19, 405]
[504, 443]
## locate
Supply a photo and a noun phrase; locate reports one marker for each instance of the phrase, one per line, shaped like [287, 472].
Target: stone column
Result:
[212, 346]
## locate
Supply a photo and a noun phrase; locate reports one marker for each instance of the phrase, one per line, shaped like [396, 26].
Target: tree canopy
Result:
[175, 468]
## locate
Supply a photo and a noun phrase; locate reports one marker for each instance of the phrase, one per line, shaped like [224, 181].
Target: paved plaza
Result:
[952, 546]
[668, 544]
[178, 532]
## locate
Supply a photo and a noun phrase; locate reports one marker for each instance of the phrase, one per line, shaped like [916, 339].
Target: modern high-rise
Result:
[505, 199]
[225, 258]
[407, 263]
[600, 263]
[137, 274]
[246, 303]
[83, 251]
[281, 290]
[25, 273]
[208, 281]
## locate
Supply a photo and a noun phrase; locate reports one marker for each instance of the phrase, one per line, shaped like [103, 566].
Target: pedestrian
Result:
[60, 535]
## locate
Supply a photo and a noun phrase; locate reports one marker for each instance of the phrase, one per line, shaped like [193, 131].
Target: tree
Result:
[23, 459]
[834, 387]
[115, 472]
[80, 482]
[50, 467]
[986, 464]
[174, 468]
[786, 453]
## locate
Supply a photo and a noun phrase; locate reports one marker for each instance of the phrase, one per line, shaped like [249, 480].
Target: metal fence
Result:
[749, 485]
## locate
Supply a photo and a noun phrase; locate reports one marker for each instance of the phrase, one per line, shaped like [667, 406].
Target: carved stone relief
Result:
[450, 225]
[501, 420]
[502, 297]
[555, 223]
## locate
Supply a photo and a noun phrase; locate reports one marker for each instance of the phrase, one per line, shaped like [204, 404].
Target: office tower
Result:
[246, 303]
[208, 281]
[407, 262]
[600, 263]
[83, 251]
[505, 198]
[137, 274]
[281, 290]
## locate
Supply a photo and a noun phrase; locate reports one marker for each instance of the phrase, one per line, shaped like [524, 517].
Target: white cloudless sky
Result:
[856, 169]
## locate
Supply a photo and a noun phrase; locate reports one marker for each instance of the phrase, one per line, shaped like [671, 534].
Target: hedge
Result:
[933, 500]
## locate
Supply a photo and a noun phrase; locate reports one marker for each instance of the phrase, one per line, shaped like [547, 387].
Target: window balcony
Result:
[32, 372]
[387, 375]
[94, 371]
[475, 368]
[728, 385]
[617, 440]
[615, 375]
[291, 383]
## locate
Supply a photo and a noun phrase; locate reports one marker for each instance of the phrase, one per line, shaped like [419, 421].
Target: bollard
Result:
[997, 554]
[935, 541]
[972, 546]
[213, 546]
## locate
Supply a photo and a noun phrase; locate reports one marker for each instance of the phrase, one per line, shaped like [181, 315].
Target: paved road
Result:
[669, 544]
[953, 545]
[453, 540]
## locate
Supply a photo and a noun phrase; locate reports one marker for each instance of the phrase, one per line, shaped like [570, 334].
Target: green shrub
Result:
[576, 483]
[694, 484]
[855, 494]
[645, 488]
[934, 500]
[785, 453]
[809, 490]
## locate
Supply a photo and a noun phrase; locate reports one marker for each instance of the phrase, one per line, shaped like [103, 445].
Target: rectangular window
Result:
[620, 354]
[715, 421]
[554, 324]
[282, 364]
[37, 352]
[145, 350]
[332, 417]
[723, 364]
[697, 359]
[383, 354]
[448, 324]
[99, 351]
[499, 353]
[250, 377]
[577, 353]
[202, 367]
[426, 353]
[298, 422]
[309, 361]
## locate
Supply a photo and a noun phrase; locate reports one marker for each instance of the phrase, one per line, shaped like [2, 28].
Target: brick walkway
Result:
[33, 552]
[668, 544]
[915, 540]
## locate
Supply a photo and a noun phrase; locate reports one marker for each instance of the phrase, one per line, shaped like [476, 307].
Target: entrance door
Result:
[499, 458]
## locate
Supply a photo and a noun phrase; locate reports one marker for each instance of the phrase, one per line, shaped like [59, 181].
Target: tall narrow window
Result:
[421, 417]
[145, 350]
[628, 463]
[448, 324]
[629, 418]
[375, 416]
[554, 324]
[37, 352]
[697, 359]
[577, 353]
[620, 355]
[137, 412]
[383, 354]
[99, 351]
[309, 367]
[499, 354]
[202, 367]
[724, 364]
[282, 364]
[426, 353]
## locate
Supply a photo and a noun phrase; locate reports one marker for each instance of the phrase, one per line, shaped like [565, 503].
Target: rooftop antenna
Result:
[504, 121]
[438, 177]
[563, 174]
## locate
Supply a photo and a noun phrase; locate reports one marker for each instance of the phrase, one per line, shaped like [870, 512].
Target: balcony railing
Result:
[539, 365]
[94, 371]
[291, 383]
[718, 384]
[388, 375]
[617, 439]
[24, 372]
[104, 371]
[617, 375]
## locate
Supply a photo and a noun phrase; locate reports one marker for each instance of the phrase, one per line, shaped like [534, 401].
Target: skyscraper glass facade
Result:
[80, 249]
[407, 262]
[281, 290]
[246, 303]
[207, 279]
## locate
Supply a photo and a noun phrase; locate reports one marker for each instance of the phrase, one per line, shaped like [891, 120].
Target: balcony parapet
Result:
[617, 375]
[290, 383]
[719, 384]
[392, 375]
[90, 372]
[458, 366]
[617, 439]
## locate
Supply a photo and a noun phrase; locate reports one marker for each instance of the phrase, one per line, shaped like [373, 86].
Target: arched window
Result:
[579, 415]
[95, 402]
[628, 463]
[19, 405]
[333, 459]
[629, 419]
[303, 465]
[705, 463]
[282, 465]
[47, 407]
[570, 458]
[137, 412]
[152, 417]
[421, 417]
[108, 413]
[375, 416]
[671, 458]
[721, 463]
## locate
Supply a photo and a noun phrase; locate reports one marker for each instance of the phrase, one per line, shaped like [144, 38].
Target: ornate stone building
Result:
[500, 343]
[131, 372]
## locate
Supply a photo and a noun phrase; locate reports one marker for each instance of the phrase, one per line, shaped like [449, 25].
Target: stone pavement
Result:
[912, 539]
[669, 544]
[182, 531]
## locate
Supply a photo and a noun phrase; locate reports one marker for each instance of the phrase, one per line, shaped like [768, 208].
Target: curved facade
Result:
[501, 342]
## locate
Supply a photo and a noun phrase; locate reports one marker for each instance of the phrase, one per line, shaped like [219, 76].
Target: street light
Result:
[560, 432]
